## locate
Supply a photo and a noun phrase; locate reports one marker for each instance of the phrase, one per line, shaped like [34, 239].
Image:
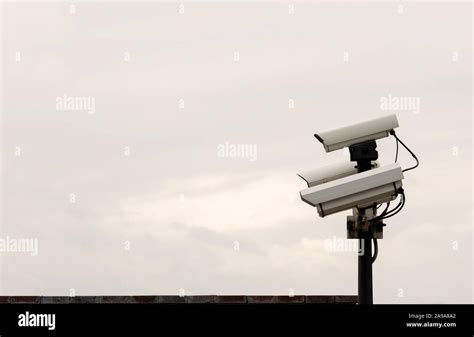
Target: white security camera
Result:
[330, 172]
[361, 185]
[357, 133]
[359, 190]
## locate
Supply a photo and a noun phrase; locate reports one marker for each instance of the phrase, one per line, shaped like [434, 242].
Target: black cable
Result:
[387, 214]
[396, 152]
[398, 210]
[376, 250]
[386, 208]
[392, 132]
[400, 203]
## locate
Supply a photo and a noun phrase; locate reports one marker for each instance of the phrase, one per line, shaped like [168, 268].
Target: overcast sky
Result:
[134, 197]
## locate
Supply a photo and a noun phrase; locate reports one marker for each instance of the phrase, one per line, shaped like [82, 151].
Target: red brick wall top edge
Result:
[230, 299]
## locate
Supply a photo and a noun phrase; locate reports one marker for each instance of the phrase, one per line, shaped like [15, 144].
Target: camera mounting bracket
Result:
[359, 225]
[364, 153]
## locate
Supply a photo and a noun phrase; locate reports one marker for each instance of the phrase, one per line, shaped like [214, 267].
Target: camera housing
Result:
[370, 130]
[330, 172]
[360, 190]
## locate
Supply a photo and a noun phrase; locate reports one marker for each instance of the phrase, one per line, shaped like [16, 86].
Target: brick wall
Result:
[178, 299]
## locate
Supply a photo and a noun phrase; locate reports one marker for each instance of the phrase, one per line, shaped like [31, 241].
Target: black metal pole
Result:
[365, 270]
[364, 153]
